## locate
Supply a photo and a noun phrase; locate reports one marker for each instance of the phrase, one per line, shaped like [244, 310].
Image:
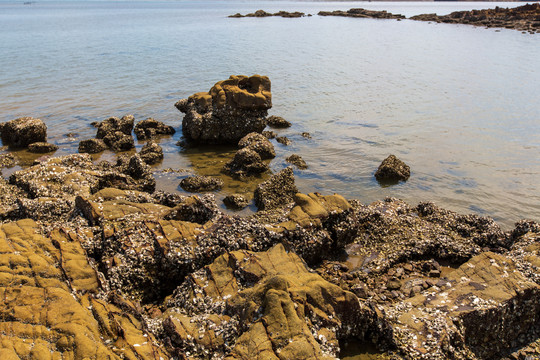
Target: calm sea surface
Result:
[459, 104]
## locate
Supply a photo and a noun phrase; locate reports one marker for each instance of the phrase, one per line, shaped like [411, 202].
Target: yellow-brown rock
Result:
[43, 314]
[279, 309]
[231, 109]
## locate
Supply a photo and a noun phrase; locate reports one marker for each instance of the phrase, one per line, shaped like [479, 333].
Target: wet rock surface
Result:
[42, 147]
[246, 162]
[92, 146]
[236, 201]
[258, 143]
[522, 18]
[21, 132]
[95, 264]
[231, 109]
[362, 13]
[151, 128]
[297, 161]
[116, 133]
[151, 153]
[392, 170]
[277, 122]
[277, 191]
[199, 183]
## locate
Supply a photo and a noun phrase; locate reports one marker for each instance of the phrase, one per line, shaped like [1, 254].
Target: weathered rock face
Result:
[116, 133]
[231, 109]
[135, 167]
[48, 302]
[277, 191]
[270, 303]
[23, 131]
[474, 306]
[150, 128]
[392, 170]
[258, 143]
[523, 18]
[199, 183]
[151, 153]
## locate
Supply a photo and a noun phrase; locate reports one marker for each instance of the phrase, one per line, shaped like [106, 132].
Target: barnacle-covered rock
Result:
[277, 307]
[151, 153]
[198, 183]
[42, 147]
[276, 191]
[246, 162]
[23, 131]
[258, 143]
[150, 128]
[231, 109]
[392, 170]
[116, 133]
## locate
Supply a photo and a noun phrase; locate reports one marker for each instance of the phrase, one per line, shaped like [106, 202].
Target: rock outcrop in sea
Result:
[231, 109]
[362, 13]
[523, 18]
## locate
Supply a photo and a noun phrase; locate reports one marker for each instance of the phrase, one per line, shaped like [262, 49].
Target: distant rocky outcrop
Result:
[362, 13]
[523, 18]
[262, 13]
[231, 109]
[21, 132]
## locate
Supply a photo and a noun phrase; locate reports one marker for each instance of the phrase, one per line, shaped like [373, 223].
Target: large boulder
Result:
[231, 109]
[23, 131]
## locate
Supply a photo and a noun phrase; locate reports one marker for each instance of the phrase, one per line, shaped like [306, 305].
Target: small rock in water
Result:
[284, 140]
[392, 169]
[236, 201]
[92, 146]
[151, 153]
[297, 161]
[277, 122]
[42, 147]
[23, 131]
[199, 183]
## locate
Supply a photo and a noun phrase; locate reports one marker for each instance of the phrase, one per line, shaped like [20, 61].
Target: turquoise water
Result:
[459, 104]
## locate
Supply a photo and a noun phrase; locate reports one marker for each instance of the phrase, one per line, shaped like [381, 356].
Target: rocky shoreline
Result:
[95, 263]
[524, 18]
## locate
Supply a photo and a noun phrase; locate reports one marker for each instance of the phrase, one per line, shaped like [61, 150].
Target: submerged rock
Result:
[283, 140]
[199, 183]
[150, 128]
[23, 131]
[392, 169]
[231, 109]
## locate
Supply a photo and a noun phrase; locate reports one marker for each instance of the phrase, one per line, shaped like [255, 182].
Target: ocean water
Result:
[459, 104]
